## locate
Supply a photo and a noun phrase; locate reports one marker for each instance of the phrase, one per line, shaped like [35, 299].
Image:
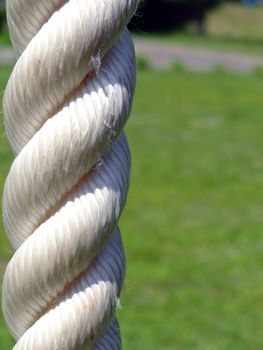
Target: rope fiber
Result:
[65, 105]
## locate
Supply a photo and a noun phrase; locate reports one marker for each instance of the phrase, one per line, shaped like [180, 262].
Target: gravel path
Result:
[164, 55]
[7, 56]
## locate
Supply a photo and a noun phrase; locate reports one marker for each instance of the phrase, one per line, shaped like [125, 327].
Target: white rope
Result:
[65, 105]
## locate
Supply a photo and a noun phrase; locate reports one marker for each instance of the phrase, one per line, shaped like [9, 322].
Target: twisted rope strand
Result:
[65, 105]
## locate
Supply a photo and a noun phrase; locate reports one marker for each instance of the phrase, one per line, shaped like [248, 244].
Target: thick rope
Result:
[65, 105]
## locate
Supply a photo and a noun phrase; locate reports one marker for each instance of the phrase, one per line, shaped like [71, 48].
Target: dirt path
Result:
[164, 55]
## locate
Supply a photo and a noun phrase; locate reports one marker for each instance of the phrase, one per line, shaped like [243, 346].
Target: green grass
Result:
[194, 217]
[4, 38]
[193, 223]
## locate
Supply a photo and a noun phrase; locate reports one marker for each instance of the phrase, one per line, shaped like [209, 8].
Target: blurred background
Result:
[193, 223]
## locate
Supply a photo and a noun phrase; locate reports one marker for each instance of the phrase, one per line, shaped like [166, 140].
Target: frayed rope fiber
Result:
[65, 105]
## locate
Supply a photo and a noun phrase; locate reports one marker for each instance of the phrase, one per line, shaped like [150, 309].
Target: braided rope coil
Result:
[65, 105]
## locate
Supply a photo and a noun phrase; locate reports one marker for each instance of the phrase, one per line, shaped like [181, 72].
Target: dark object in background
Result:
[2, 16]
[165, 15]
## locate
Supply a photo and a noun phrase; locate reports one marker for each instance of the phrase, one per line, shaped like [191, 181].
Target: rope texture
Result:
[65, 106]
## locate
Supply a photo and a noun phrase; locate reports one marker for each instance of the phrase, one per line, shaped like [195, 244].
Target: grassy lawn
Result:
[193, 222]
[4, 38]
